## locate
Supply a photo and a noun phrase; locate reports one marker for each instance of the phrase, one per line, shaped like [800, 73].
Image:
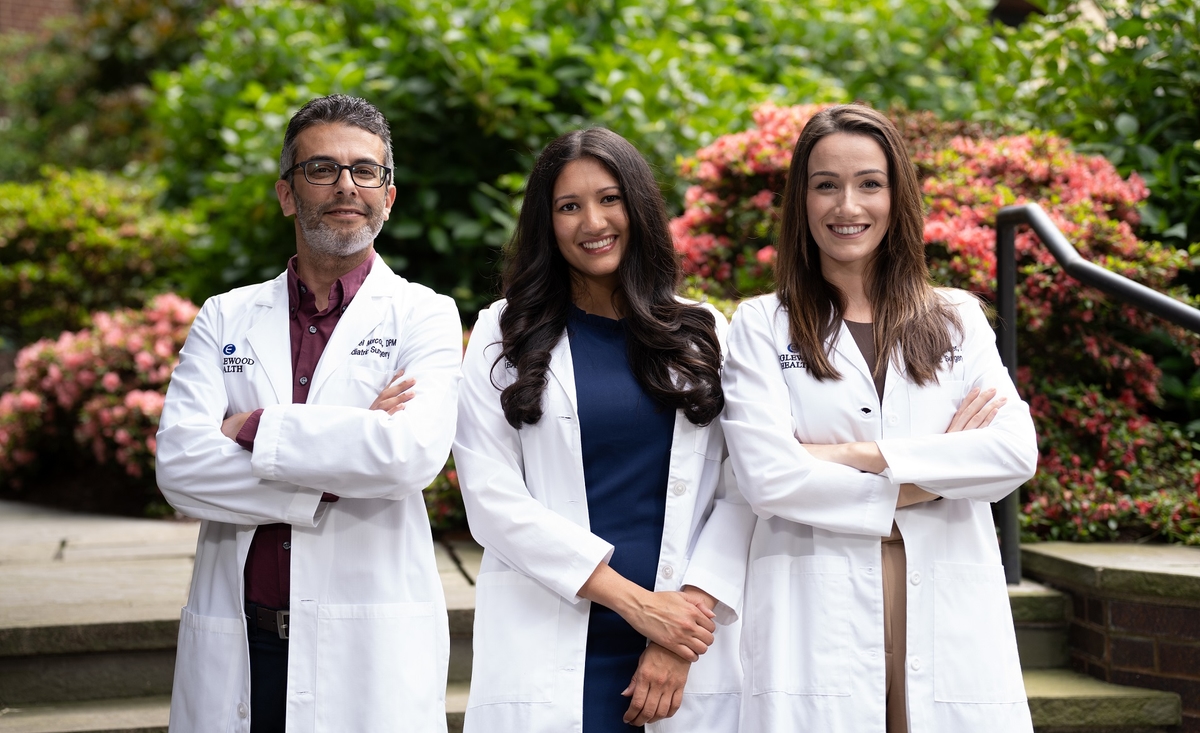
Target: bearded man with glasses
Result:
[306, 415]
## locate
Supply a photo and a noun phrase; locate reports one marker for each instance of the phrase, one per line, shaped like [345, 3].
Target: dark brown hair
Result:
[911, 319]
[672, 347]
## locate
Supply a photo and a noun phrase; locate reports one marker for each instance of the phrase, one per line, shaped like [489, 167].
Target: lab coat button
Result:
[915, 577]
[303, 381]
[892, 419]
[667, 571]
[679, 489]
[915, 663]
[312, 329]
[243, 711]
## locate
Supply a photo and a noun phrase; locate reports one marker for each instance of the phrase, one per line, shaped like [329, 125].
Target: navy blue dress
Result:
[626, 441]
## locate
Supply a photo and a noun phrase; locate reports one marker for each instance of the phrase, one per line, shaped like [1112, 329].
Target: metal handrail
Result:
[1007, 221]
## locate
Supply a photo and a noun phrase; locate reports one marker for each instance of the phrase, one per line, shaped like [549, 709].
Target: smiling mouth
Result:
[849, 230]
[598, 244]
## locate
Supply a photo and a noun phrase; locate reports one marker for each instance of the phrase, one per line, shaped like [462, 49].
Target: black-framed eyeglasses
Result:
[327, 173]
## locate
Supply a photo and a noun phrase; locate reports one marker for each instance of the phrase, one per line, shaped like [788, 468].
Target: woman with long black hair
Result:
[590, 457]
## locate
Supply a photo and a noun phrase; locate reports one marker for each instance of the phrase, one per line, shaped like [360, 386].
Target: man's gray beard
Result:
[332, 242]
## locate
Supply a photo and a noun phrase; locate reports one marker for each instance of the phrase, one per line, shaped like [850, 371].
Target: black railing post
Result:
[1006, 303]
[1088, 273]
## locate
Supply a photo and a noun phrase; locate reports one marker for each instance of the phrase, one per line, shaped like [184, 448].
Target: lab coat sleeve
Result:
[985, 463]
[774, 473]
[722, 553]
[358, 453]
[504, 516]
[201, 472]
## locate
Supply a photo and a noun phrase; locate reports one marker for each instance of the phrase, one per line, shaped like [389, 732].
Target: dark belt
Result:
[268, 619]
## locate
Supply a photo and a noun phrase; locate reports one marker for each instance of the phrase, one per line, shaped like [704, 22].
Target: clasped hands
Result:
[977, 410]
[679, 626]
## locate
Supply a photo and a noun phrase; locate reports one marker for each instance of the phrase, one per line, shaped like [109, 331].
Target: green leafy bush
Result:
[473, 89]
[74, 242]
[1122, 79]
[1104, 455]
[76, 96]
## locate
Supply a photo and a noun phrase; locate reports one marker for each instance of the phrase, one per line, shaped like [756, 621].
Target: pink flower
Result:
[110, 381]
[766, 255]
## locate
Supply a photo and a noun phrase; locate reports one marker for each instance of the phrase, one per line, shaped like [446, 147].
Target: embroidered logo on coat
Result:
[380, 347]
[229, 349]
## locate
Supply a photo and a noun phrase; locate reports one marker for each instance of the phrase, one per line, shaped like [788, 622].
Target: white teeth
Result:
[600, 244]
[850, 230]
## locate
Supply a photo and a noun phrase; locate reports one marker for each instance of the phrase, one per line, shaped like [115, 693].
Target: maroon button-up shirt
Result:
[268, 566]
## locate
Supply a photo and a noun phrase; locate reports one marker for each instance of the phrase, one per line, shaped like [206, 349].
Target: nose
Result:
[594, 220]
[349, 186]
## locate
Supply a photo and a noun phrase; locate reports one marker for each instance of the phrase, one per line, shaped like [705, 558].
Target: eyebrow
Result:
[357, 161]
[575, 196]
[831, 174]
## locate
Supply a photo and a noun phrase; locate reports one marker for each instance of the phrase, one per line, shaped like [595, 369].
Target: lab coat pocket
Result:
[373, 668]
[355, 385]
[515, 640]
[798, 625]
[974, 646]
[932, 407]
[205, 689]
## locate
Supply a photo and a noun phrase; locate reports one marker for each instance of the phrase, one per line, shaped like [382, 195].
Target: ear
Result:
[287, 198]
[391, 199]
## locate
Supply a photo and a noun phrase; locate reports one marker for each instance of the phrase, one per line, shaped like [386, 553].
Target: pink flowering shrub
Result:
[1109, 468]
[86, 406]
[90, 400]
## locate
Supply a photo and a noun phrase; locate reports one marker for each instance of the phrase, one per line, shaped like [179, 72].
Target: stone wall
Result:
[1130, 625]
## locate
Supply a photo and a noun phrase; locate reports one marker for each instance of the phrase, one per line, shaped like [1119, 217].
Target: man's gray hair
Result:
[336, 108]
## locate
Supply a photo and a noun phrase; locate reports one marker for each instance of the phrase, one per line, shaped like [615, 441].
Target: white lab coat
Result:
[813, 641]
[369, 643]
[527, 505]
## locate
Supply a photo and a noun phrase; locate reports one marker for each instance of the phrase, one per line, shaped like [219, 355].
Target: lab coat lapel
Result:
[363, 314]
[562, 368]
[271, 341]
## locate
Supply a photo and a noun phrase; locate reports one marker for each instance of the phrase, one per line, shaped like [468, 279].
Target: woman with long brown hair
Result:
[589, 455]
[869, 423]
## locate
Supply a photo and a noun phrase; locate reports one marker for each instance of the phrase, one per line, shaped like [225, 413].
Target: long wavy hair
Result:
[911, 320]
[672, 347]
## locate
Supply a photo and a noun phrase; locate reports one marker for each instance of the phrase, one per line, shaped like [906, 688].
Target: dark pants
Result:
[268, 679]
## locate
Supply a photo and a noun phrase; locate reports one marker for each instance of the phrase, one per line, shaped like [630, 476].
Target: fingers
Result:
[984, 417]
[977, 410]
[656, 691]
[391, 400]
[673, 621]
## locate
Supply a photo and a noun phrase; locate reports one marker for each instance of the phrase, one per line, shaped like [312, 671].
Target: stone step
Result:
[1040, 617]
[90, 606]
[145, 715]
[1062, 701]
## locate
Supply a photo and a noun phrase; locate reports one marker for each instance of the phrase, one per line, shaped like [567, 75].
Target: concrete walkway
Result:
[89, 615]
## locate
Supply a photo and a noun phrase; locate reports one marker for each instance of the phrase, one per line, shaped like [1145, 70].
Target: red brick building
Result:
[27, 15]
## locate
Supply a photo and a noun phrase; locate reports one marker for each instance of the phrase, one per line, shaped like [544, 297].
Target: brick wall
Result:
[1144, 643]
[27, 15]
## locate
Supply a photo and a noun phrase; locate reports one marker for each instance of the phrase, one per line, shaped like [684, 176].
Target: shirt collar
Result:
[341, 292]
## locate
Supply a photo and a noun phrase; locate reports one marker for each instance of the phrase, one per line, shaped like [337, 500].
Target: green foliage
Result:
[78, 97]
[1122, 79]
[474, 89]
[72, 243]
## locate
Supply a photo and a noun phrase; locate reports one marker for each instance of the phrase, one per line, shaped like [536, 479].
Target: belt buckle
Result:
[281, 620]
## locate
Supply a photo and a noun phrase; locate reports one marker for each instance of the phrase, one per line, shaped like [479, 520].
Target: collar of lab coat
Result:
[562, 368]
[270, 336]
